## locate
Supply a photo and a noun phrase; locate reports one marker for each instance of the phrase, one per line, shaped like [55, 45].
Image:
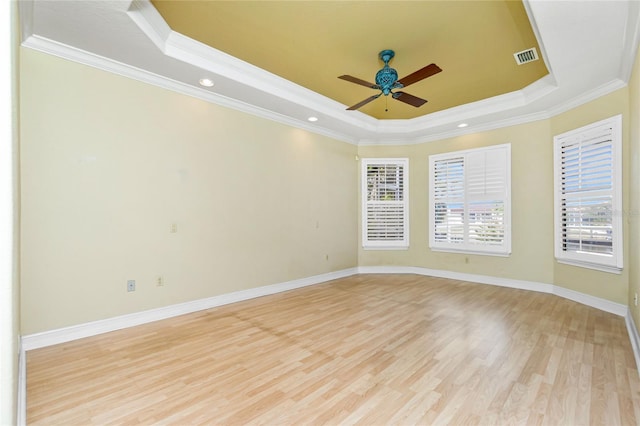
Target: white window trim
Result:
[600, 262]
[384, 245]
[503, 251]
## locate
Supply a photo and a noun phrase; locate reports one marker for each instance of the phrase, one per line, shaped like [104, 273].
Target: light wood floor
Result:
[369, 349]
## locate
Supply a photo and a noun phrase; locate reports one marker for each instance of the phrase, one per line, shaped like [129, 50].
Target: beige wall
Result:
[532, 257]
[601, 284]
[109, 163]
[633, 213]
[532, 206]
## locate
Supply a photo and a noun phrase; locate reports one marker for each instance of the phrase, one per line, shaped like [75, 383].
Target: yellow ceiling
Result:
[311, 43]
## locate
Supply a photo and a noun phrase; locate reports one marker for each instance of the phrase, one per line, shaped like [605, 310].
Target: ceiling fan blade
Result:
[356, 80]
[409, 99]
[421, 74]
[362, 103]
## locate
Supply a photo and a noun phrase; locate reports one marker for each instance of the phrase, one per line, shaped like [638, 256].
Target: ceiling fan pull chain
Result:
[386, 104]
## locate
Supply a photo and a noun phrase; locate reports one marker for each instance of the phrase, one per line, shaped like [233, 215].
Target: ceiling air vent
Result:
[525, 56]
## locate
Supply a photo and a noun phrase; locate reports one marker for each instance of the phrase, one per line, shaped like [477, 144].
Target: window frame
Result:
[368, 244]
[466, 245]
[607, 263]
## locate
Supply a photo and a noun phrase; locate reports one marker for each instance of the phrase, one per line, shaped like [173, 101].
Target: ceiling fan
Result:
[387, 80]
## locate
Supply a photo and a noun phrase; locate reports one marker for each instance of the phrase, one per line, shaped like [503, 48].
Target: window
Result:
[469, 201]
[588, 199]
[385, 203]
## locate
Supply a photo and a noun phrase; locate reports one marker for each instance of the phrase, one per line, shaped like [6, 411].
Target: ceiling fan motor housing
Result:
[387, 76]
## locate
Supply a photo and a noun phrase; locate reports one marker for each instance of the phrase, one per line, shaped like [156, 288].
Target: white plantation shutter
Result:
[470, 200]
[486, 196]
[587, 195]
[448, 191]
[385, 203]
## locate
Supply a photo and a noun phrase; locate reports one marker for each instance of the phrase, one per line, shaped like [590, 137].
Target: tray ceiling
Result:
[312, 43]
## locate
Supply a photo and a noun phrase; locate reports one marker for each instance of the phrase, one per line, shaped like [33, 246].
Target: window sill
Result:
[481, 253]
[385, 248]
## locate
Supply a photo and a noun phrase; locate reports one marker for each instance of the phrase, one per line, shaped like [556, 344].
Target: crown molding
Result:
[285, 102]
[25, 12]
[105, 64]
[536, 32]
[482, 127]
[185, 49]
[631, 41]
[423, 126]
[188, 50]
[588, 96]
[384, 132]
[150, 22]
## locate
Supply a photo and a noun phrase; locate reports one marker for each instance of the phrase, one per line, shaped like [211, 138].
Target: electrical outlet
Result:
[131, 285]
[159, 281]
[173, 228]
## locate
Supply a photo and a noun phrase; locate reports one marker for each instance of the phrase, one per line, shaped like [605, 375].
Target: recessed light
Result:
[461, 125]
[206, 82]
[312, 118]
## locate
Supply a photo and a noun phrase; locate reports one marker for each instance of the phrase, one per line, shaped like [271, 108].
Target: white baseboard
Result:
[585, 299]
[634, 337]
[53, 337]
[595, 302]
[67, 334]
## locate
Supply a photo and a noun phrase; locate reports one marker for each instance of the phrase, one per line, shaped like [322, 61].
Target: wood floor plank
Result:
[368, 349]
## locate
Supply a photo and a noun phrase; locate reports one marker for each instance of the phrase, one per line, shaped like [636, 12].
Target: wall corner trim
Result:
[75, 332]
[634, 337]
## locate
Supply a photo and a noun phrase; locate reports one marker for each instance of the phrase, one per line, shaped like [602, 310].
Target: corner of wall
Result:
[9, 284]
[632, 214]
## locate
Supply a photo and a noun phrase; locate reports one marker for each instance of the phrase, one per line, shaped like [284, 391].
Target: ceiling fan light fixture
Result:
[206, 82]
